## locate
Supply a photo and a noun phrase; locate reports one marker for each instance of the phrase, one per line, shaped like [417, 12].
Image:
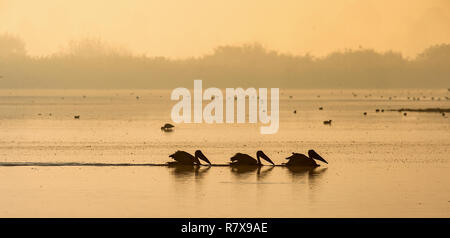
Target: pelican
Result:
[297, 159]
[184, 158]
[245, 159]
[167, 127]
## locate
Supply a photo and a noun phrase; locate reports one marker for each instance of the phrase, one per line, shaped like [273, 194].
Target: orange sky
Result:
[182, 28]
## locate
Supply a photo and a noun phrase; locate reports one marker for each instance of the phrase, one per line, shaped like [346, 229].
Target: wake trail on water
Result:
[55, 164]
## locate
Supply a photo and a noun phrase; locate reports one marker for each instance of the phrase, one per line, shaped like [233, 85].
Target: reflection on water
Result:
[380, 164]
[311, 172]
[246, 171]
[312, 175]
[187, 170]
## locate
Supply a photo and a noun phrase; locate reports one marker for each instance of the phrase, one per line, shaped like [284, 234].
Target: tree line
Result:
[94, 64]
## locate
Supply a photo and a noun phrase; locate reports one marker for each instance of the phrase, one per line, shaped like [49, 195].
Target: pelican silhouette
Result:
[184, 158]
[297, 159]
[240, 159]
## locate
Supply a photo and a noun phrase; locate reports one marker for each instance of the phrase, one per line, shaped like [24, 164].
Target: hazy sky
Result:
[181, 28]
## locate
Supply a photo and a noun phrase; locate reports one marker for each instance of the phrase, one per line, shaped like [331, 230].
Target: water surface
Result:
[380, 165]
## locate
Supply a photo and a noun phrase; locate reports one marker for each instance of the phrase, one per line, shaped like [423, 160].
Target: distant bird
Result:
[295, 111]
[404, 114]
[443, 114]
[377, 110]
[382, 110]
[167, 127]
[76, 117]
[137, 97]
[184, 158]
[240, 159]
[327, 122]
[365, 113]
[320, 108]
[297, 159]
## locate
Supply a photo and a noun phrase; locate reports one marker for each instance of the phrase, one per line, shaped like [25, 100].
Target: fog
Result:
[251, 43]
[94, 63]
[184, 28]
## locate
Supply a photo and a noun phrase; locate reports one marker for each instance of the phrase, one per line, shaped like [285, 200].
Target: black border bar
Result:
[261, 227]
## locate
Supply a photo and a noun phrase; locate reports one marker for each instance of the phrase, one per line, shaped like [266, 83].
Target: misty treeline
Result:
[92, 63]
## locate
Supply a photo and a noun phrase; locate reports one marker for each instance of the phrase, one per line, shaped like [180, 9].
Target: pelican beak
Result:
[265, 157]
[312, 154]
[201, 156]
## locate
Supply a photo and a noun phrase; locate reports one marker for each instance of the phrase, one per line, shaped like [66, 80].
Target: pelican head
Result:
[313, 155]
[200, 155]
[261, 154]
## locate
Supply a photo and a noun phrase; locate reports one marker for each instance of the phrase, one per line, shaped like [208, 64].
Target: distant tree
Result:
[93, 63]
[92, 48]
[439, 53]
[11, 46]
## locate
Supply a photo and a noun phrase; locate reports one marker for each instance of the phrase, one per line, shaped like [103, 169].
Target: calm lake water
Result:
[381, 165]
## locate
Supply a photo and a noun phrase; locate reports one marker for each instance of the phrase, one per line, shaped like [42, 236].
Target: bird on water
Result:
[297, 159]
[167, 127]
[327, 122]
[184, 158]
[240, 159]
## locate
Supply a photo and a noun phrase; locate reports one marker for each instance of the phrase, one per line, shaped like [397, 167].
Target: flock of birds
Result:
[240, 159]
[169, 127]
[328, 122]
[244, 160]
